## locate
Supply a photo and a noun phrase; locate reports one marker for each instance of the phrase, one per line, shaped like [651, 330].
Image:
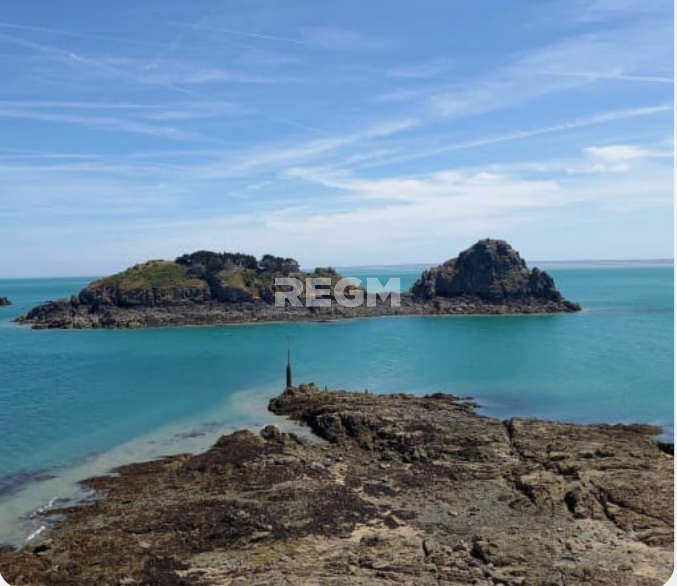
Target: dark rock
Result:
[667, 447]
[4, 301]
[493, 271]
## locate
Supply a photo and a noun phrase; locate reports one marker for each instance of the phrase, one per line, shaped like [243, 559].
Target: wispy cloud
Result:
[237, 33]
[97, 122]
[132, 69]
[619, 55]
[436, 211]
[77, 34]
[290, 154]
[519, 135]
[421, 70]
[591, 77]
[117, 117]
[173, 72]
[183, 111]
[338, 39]
[602, 10]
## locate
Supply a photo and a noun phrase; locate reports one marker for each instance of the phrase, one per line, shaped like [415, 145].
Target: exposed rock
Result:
[207, 288]
[492, 271]
[4, 301]
[405, 490]
[229, 286]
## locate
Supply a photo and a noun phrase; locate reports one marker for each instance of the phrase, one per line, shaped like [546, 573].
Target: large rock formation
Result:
[4, 301]
[493, 271]
[206, 288]
[403, 490]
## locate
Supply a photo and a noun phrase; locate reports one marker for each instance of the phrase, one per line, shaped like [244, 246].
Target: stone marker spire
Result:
[289, 377]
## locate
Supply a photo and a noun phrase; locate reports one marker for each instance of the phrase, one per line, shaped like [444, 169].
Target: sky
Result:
[338, 133]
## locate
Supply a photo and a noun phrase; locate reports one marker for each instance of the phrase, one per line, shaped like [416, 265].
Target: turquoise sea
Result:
[75, 403]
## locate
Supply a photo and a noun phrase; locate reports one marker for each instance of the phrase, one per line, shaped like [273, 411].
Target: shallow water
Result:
[74, 403]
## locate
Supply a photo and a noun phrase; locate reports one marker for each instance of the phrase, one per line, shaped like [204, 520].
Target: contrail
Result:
[613, 76]
[57, 51]
[593, 120]
[54, 31]
[239, 33]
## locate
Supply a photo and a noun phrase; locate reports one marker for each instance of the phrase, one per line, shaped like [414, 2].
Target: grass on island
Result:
[155, 274]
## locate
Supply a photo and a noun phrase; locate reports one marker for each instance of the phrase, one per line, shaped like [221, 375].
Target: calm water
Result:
[76, 402]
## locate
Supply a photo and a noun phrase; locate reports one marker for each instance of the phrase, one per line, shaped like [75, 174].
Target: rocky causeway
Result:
[207, 288]
[390, 489]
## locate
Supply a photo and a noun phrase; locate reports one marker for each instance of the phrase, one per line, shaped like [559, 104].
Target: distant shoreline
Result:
[405, 266]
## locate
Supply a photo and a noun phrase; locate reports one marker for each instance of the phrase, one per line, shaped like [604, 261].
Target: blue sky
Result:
[338, 133]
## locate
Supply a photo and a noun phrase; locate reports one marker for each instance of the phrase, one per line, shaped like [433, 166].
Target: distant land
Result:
[610, 262]
[207, 288]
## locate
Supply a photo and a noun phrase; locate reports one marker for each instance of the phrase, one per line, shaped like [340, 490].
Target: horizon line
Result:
[659, 260]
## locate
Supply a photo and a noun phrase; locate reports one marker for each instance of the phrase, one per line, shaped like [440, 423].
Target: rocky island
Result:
[207, 288]
[4, 301]
[395, 489]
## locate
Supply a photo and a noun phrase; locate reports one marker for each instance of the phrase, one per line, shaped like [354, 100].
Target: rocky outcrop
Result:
[492, 271]
[229, 287]
[399, 490]
[207, 288]
[151, 284]
[4, 301]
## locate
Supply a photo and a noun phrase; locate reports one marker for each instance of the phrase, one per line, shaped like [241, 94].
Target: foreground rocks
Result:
[399, 490]
[207, 288]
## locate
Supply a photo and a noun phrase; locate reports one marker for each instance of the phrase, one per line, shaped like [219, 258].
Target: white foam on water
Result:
[35, 533]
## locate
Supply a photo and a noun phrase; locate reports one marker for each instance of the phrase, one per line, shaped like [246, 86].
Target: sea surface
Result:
[76, 403]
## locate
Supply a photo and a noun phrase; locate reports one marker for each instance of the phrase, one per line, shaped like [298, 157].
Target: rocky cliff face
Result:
[491, 270]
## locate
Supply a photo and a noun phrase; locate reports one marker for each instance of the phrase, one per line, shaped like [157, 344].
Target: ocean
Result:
[76, 403]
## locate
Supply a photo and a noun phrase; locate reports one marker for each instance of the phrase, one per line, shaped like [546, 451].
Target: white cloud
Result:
[620, 153]
[350, 219]
[620, 157]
